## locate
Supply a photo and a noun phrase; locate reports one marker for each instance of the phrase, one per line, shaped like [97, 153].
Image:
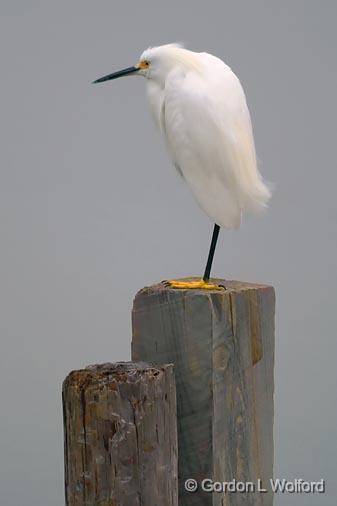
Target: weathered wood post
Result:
[222, 346]
[120, 436]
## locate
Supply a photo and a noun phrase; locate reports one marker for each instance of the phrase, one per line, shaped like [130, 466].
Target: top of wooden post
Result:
[119, 371]
[238, 304]
[230, 286]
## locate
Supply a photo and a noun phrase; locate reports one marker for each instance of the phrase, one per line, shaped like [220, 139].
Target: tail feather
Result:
[257, 196]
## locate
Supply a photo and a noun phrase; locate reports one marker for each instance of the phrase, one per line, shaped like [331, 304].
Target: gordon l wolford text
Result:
[277, 485]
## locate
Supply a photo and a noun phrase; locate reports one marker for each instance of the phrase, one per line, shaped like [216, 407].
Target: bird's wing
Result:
[209, 134]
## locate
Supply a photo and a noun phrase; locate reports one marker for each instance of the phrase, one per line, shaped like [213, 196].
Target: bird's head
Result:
[156, 62]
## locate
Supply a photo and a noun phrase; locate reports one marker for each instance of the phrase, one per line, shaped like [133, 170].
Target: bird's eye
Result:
[144, 64]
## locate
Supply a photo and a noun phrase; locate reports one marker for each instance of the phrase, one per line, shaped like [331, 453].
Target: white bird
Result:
[200, 108]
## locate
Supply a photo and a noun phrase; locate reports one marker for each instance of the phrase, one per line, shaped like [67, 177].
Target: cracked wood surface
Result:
[222, 346]
[120, 435]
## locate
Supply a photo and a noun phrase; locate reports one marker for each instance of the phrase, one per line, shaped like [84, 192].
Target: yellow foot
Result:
[197, 284]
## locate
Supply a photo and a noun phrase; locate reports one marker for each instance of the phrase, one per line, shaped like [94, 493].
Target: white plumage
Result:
[200, 107]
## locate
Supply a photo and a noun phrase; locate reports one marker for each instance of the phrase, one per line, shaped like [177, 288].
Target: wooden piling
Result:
[221, 343]
[120, 436]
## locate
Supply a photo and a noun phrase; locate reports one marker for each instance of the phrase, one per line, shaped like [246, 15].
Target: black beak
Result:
[120, 73]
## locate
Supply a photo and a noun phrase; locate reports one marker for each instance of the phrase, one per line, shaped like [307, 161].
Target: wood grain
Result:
[222, 346]
[120, 436]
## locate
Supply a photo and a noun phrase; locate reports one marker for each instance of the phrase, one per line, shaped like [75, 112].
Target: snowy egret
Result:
[200, 108]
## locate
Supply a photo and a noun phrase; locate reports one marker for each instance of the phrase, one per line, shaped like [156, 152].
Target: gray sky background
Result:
[91, 210]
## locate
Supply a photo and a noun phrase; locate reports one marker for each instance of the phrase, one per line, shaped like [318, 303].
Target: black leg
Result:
[211, 253]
